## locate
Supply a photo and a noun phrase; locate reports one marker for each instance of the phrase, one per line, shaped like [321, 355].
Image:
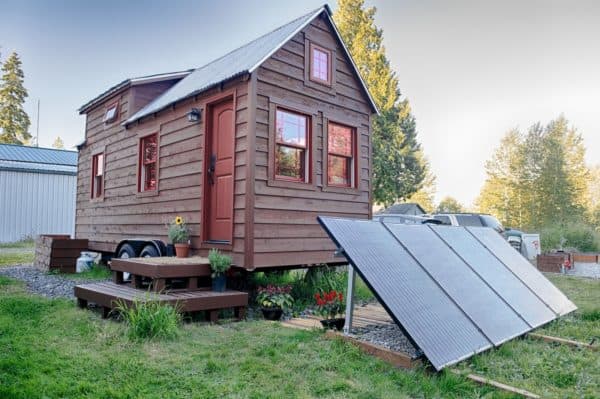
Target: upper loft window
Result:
[148, 162]
[112, 113]
[341, 147]
[292, 146]
[320, 64]
[98, 175]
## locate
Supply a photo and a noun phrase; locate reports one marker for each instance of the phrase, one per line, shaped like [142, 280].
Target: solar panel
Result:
[437, 326]
[521, 267]
[481, 304]
[499, 277]
[455, 292]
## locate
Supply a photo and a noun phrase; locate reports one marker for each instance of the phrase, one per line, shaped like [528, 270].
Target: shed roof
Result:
[37, 160]
[402, 209]
[239, 62]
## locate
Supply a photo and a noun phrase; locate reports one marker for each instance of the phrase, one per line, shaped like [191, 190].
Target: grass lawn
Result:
[16, 253]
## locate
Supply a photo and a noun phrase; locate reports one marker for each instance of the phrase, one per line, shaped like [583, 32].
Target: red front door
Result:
[220, 164]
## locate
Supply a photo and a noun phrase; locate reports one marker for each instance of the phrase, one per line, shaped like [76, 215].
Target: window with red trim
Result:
[291, 146]
[112, 113]
[320, 64]
[148, 157]
[340, 155]
[97, 175]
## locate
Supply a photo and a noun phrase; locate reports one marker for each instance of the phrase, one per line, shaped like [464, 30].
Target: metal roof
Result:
[401, 209]
[133, 82]
[454, 291]
[241, 61]
[38, 160]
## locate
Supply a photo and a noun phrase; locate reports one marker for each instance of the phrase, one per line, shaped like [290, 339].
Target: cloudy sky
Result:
[471, 69]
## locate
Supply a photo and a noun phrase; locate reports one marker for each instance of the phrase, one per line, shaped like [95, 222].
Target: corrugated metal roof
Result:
[238, 62]
[133, 81]
[35, 159]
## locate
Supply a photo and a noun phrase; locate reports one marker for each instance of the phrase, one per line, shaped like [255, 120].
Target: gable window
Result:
[148, 163]
[341, 157]
[320, 64]
[98, 175]
[112, 112]
[291, 146]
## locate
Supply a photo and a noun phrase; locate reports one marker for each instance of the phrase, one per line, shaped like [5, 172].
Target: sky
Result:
[471, 70]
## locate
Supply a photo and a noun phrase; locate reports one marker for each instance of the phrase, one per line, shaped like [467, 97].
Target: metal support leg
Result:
[349, 300]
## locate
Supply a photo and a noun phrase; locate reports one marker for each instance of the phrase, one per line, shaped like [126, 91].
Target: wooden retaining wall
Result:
[58, 252]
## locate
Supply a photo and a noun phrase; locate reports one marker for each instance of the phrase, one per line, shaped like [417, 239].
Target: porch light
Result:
[194, 115]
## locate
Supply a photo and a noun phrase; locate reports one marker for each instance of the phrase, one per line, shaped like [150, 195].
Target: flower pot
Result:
[182, 250]
[331, 324]
[272, 313]
[218, 283]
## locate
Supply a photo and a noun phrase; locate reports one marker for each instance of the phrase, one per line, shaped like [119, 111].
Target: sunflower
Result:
[178, 220]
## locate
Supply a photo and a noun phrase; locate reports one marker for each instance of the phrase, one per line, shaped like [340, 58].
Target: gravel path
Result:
[42, 283]
[388, 336]
[591, 270]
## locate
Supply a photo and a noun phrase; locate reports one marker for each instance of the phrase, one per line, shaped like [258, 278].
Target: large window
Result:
[148, 157]
[98, 175]
[291, 146]
[320, 64]
[340, 155]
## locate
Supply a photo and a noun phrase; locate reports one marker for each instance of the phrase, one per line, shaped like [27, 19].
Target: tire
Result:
[149, 251]
[126, 252]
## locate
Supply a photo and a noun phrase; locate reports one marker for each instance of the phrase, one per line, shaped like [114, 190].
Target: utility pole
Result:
[37, 140]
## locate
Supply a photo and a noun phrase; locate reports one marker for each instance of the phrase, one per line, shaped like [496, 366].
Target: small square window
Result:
[111, 113]
[148, 162]
[320, 64]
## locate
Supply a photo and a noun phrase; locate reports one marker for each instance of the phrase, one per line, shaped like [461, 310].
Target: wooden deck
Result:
[363, 316]
[109, 294]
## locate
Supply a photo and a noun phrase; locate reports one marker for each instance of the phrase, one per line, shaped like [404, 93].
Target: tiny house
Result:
[249, 149]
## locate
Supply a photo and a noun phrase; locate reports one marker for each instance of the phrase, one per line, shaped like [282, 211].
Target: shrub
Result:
[577, 236]
[219, 263]
[150, 319]
[273, 296]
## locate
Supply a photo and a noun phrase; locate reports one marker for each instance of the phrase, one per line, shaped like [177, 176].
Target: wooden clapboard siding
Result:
[286, 231]
[123, 212]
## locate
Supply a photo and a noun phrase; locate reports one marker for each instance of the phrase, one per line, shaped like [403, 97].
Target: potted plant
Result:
[329, 305]
[274, 300]
[180, 237]
[219, 264]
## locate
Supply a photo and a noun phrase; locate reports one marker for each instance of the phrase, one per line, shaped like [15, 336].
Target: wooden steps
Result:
[109, 294]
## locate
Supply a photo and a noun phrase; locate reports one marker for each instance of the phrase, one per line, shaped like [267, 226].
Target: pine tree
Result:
[399, 167]
[425, 196]
[14, 122]
[58, 143]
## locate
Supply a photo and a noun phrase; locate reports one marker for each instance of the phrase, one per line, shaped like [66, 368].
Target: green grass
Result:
[552, 370]
[49, 348]
[96, 272]
[27, 243]
[16, 253]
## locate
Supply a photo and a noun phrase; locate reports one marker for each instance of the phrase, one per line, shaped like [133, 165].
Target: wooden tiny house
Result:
[248, 149]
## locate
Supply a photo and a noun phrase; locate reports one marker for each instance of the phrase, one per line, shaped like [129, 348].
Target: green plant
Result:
[329, 304]
[150, 319]
[273, 296]
[219, 263]
[578, 236]
[178, 231]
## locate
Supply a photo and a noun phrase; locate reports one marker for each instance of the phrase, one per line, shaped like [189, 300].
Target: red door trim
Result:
[208, 104]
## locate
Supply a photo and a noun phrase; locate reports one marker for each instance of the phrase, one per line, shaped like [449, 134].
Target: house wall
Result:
[285, 230]
[125, 213]
[36, 203]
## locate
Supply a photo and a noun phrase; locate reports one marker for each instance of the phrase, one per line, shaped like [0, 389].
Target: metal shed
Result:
[37, 191]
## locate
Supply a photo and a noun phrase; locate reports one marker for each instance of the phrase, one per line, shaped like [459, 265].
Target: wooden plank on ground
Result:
[558, 340]
[486, 381]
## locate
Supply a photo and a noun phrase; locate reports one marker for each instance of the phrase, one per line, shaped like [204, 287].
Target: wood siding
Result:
[286, 231]
[125, 213]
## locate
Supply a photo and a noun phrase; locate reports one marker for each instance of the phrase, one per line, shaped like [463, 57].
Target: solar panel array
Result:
[454, 291]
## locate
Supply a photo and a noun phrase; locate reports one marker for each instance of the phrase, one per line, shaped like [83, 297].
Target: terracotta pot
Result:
[182, 250]
[331, 324]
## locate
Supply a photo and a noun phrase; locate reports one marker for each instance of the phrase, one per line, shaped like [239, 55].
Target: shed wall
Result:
[36, 203]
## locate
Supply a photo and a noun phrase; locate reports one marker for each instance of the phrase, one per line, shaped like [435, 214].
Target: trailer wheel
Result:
[149, 251]
[126, 252]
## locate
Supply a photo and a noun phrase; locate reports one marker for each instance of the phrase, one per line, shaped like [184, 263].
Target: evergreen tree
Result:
[58, 143]
[449, 205]
[14, 122]
[399, 167]
[425, 196]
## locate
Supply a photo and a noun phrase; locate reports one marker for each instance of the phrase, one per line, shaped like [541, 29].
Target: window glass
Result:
[320, 64]
[290, 162]
[468, 220]
[340, 155]
[443, 219]
[340, 140]
[149, 150]
[111, 113]
[291, 128]
[339, 170]
[97, 175]
[291, 155]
